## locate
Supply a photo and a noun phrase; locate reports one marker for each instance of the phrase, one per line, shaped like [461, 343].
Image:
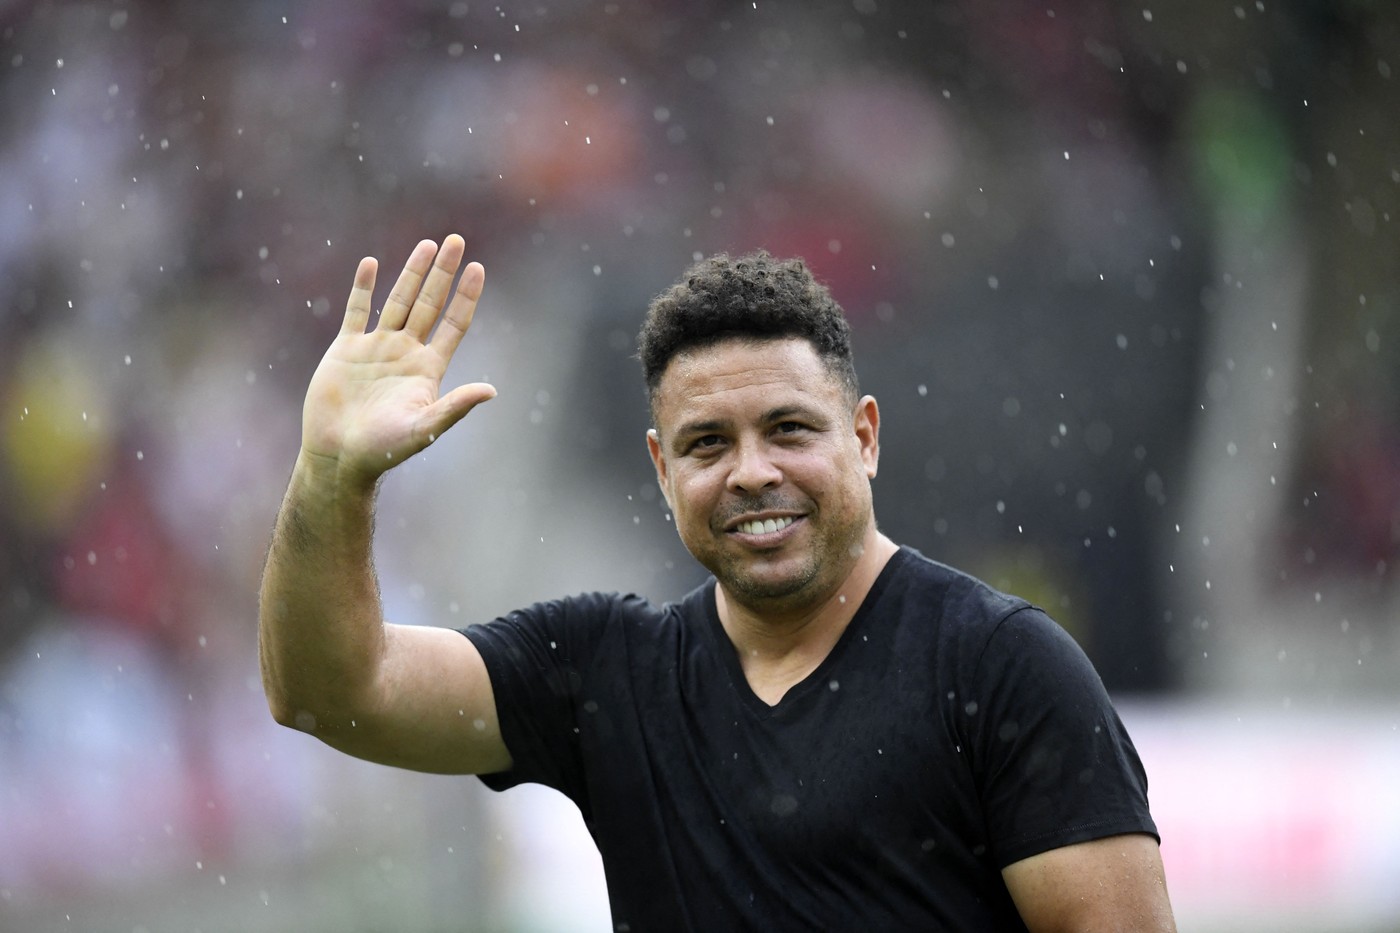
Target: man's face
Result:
[766, 467]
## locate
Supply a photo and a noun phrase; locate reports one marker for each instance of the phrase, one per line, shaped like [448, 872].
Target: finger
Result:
[450, 409]
[458, 318]
[361, 294]
[433, 295]
[406, 288]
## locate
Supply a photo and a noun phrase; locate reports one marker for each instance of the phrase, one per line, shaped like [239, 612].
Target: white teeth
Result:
[765, 527]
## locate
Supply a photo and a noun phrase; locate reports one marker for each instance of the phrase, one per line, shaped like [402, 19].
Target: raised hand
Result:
[374, 399]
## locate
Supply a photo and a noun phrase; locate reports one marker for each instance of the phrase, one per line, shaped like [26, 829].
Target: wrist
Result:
[332, 476]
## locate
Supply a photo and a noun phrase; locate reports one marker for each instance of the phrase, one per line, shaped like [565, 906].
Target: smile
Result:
[764, 526]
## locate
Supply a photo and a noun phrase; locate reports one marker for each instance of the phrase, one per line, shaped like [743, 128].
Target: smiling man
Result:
[832, 733]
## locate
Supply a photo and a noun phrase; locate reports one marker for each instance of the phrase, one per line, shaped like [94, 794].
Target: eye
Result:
[707, 442]
[788, 427]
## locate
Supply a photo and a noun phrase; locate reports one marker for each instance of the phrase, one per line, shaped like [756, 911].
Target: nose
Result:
[753, 470]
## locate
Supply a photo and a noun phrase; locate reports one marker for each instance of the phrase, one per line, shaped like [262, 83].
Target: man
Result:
[833, 733]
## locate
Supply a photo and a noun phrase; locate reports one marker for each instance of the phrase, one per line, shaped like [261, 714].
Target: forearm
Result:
[320, 631]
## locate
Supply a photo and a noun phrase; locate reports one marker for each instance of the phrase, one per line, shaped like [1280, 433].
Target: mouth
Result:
[764, 526]
[765, 531]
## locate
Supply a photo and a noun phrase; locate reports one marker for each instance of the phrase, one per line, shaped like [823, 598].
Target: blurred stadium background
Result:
[1125, 278]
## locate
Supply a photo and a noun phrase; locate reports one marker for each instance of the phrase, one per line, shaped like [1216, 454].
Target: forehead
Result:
[738, 371]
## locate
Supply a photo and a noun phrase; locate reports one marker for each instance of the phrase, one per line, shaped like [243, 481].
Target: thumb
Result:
[453, 407]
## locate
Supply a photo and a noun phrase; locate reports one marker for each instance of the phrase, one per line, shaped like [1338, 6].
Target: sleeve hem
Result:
[496, 780]
[1085, 832]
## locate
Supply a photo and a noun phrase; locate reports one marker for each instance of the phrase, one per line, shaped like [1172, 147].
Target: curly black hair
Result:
[752, 296]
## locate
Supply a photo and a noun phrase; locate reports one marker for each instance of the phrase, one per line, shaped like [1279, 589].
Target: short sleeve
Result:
[1054, 764]
[536, 658]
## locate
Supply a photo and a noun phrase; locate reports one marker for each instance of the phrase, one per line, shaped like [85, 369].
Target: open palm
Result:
[374, 399]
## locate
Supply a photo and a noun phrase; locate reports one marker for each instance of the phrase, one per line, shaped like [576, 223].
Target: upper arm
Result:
[1112, 884]
[431, 707]
[1053, 763]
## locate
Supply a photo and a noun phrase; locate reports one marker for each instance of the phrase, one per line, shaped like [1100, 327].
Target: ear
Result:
[658, 460]
[867, 432]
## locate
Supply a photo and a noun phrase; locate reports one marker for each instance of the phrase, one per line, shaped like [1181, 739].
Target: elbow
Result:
[313, 713]
[286, 709]
[296, 717]
[287, 714]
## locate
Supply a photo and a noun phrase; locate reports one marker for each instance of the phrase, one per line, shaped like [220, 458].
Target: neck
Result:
[779, 646]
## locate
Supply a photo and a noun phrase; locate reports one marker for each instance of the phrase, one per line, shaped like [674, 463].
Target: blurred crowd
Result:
[1113, 271]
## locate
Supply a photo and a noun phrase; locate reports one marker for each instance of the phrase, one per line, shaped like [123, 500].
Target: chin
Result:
[767, 586]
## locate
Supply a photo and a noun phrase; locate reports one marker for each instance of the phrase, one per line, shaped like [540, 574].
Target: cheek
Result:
[818, 469]
[690, 495]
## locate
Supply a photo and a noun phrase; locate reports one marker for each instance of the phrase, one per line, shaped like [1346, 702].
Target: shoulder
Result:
[982, 638]
[967, 609]
[961, 590]
[565, 618]
[571, 624]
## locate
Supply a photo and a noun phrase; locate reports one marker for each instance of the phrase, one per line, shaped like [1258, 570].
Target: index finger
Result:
[453, 326]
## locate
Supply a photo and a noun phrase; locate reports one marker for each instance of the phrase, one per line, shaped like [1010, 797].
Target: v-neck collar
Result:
[729, 654]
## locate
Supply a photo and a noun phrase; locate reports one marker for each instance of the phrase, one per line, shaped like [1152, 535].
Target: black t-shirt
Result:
[951, 731]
